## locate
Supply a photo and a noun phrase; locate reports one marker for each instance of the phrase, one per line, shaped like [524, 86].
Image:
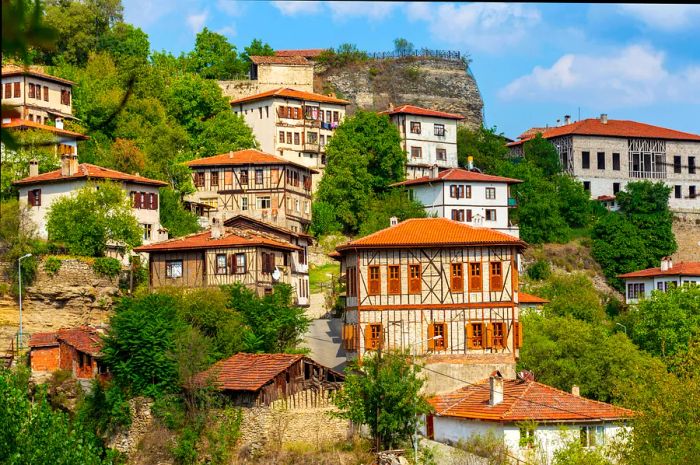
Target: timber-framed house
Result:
[255, 184]
[221, 256]
[424, 278]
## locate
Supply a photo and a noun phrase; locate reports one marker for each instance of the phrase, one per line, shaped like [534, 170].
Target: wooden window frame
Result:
[240, 268]
[199, 179]
[490, 214]
[437, 344]
[17, 89]
[374, 336]
[34, 198]
[439, 130]
[169, 268]
[476, 335]
[350, 337]
[415, 127]
[415, 279]
[374, 280]
[441, 154]
[8, 90]
[217, 267]
[476, 281]
[32, 91]
[46, 93]
[457, 277]
[499, 341]
[214, 179]
[496, 279]
[393, 283]
[259, 176]
[616, 161]
[490, 193]
[416, 152]
[517, 334]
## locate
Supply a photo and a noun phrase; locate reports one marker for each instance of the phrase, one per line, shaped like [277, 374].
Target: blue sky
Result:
[533, 62]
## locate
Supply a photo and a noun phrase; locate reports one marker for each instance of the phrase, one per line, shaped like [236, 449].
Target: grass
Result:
[318, 276]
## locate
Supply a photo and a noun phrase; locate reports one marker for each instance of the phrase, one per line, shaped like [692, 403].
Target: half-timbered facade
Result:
[424, 278]
[256, 184]
[222, 256]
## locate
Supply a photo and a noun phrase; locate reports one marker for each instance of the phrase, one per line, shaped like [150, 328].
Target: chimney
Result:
[495, 389]
[666, 263]
[217, 228]
[33, 167]
[391, 106]
[558, 123]
[470, 163]
[59, 123]
[434, 171]
[393, 221]
[567, 119]
[230, 154]
[575, 391]
[66, 165]
[604, 118]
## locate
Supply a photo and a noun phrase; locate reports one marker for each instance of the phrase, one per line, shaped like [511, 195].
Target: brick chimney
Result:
[69, 164]
[666, 263]
[604, 118]
[217, 227]
[575, 391]
[33, 167]
[495, 389]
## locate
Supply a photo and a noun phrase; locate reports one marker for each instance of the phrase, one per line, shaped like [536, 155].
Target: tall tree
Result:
[214, 57]
[223, 133]
[257, 48]
[173, 215]
[192, 99]
[542, 154]
[486, 145]
[127, 157]
[128, 45]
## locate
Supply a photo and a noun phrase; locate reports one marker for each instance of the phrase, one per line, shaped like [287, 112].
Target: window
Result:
[441, 154]
[677, 164]
[289, 137]
[260, 110]
[32, 92]
[323, 140]
[456, 277]
[587, 186]
[349, 335]
[373, 336]
[469, 215]
[468, 192]
[199, 179]
[221, 267]
[394, 280]
[691, 165]
[214, 180]
[616, 161]
[297, 205]
[268, 262]
[281, 137]
[65, 97]
[496, 282]
[498, 335]
[240, 264]
[31, 117]
[8, 90]
[34, 198]
[677, 192]
[691, 192]
[439, 129]
[173, 269]
[476, 336]
[527, 437]
[457, 191]
[416, 152]
[414, 279]
[475, 281]
[264, 202]
[592, 436]
[415, 127]
[435, 330]
[17, 89]
[146, 232]
[336, 116]
[351, 276]
[616, 187]
[490, 214]
[635, 290]
[302, 256]
[258, 176]
[585, 160]
[312, 137]
[328, 116]
[375, 280]
[491, 193]
[295, 113]
[244, 177]
[457, 215]
[296, 138]
[244, 203]
[601, 160]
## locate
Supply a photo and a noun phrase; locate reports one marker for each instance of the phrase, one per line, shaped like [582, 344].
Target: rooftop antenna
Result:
[579, 114]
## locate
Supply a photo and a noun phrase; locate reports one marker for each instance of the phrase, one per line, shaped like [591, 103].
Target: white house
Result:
[640, 284]
[428, 137]
[466, 196]
[533, 420]
[40, 191]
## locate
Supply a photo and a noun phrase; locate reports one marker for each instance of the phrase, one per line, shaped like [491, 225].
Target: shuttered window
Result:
[136, 196]
[199, 179]
[517, 334]
[221, 265]
[8, 90]
[456, 277]
[476, 335]
[244, 177]
[351, 283]
[394, 280]
[46, 93]
[34, 198]
[214, 179]
[144, 200]
[434, 330]
[414, 279]
[32, 91]
[241, 265]
[498, 336]
[350, 337]
[375, 280]
[18, 89]
[373, 336]
[475, 281]
[496, 282]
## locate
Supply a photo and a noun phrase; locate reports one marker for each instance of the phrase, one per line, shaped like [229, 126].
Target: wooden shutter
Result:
[375, 283]
[46, 93]
[232, 263]
[18, 89]
[469, 215]
[470, 336]
[496, 281]
[155, 201]
[370, 342]
[456, 279]
[394, 283]
[431, 335]
[514, 277]
[30, 198]
[517, 334]
[414, 282]
[442, 343]
[37, 197]
[143, 200]
[137, 199]
[475, 277]
[489, 336]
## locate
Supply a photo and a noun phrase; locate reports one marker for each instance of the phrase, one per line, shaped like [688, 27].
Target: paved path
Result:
[324, 340]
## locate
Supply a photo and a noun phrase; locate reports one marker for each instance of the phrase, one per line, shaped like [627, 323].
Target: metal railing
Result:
[422, 53]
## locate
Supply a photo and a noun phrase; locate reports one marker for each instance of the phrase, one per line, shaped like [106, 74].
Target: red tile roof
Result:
[291, 94]
[84, 338]
[457, 174]
[38, 71]
[279, 60]
[414, 110]
[231, 238]
[25, 124]
[43, 339]
[525, 298]
[605, 198]
[88, 171]
[244, 157]
[613, 128]
[523, 401]
[432, 232]
[306, 53]
[247, 372]
[679, 269]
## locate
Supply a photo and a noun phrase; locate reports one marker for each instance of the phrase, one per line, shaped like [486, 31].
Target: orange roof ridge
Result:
[291, 93]
[89, 171]
[681, 268]
[244, 157]
[458, 174]
[416, 110]
[20, 123]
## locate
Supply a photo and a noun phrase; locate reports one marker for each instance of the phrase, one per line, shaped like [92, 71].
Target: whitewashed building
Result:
[465, 196]
[640, 284]
[606, 154]
[532, 419]
[429, 138]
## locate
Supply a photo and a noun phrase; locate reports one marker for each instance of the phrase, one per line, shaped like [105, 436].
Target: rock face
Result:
[442, 84]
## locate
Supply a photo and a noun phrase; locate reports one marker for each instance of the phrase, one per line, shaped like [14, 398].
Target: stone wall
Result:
[428, 82]
[444, 374]
[127, 441]
[686, 228]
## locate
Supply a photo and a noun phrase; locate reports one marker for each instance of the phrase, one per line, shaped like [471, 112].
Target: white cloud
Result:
[230, 7]
[373, 11]
[228, 31]
[664, 17]
[297, 8]
[633, 76]
[143, 14]
[196, 21]
[477, 26]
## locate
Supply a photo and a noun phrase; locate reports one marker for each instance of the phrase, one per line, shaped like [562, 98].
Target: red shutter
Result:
[155, 201]
[469, 215]
[232, 263]
[137, 199]
[30, 198]
[37, 197]
[18, 89]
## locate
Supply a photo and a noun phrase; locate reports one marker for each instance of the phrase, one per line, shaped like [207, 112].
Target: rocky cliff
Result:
[443, 84]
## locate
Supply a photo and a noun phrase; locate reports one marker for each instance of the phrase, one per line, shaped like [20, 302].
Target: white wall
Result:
[428, 142]
[652, 284]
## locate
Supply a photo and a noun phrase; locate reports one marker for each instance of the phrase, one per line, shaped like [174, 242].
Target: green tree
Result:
[573, 453]
[384, 206]
[173, 216]
[574, 201]
[487, 146]
[214, 57]
[95, 215]
[223, 133]
[14, 165]
[323, 219]
[542, 154]
[127, 157]
[257, 48]
[128, 45]
[572, 294]
[193, 99]
[403, 46]
[384, 394]
[665, 324]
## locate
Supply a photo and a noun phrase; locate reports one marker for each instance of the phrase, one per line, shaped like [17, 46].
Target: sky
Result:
[533, 63]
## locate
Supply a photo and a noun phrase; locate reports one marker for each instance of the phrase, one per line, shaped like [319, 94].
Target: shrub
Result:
[52, 265]
[539, 270]
[104, 410]
[413, 73]
[107, 266]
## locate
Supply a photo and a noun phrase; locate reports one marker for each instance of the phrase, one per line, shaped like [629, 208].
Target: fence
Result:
[423, 53]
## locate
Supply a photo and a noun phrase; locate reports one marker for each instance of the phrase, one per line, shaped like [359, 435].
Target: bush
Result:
[104, 410]
[52, 265]
[323, 219]
[107, 266]
[539, 270]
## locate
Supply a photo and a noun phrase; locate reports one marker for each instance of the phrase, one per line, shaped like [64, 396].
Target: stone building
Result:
[293, 124]
[428, 137]
[272, 72]
[446, 290]
[607, 154]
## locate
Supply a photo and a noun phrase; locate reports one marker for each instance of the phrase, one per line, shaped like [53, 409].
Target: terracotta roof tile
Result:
[432, 232]
[458, 174]
[38, 71]
[85, 339]
[43, 339]
[679, 269]
[279, 60]
[613, 128]
[203, 240]
[306, 53]
[522, 401]
[525, 298]
[291, 94]
[244, 157]
[414, 110]
[88, 171]
[247, 372]
[25, 124]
